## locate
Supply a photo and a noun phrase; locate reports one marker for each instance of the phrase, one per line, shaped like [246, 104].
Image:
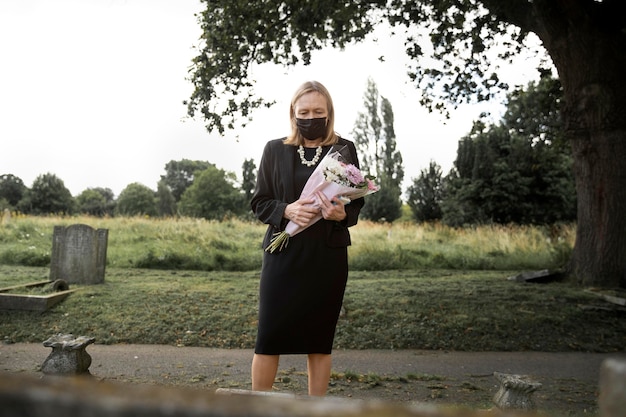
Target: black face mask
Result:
[312, 129]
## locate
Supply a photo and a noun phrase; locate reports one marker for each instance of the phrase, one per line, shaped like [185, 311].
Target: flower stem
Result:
[279, 241]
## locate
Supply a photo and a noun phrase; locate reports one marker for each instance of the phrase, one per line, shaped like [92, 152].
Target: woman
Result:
[302, 286]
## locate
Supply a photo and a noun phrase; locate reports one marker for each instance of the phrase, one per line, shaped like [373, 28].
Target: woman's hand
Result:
[331, 209]
[301, 212]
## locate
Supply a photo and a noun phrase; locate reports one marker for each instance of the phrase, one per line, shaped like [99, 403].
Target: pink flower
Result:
[354, 175]
[371, 186]
[333, 178]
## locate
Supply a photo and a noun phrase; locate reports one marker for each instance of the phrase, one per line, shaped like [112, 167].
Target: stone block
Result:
[78, 254]
[68, 356]
[515, 392]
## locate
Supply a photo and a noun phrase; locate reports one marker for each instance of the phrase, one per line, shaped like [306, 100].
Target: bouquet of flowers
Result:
[333, 177]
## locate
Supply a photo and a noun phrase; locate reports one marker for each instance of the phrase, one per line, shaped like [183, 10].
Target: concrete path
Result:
[154, 360]
[570, 380]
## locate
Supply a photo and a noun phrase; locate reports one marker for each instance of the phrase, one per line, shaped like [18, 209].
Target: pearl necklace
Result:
[316, 158]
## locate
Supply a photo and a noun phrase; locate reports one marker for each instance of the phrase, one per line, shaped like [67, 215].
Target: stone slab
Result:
[30, 302]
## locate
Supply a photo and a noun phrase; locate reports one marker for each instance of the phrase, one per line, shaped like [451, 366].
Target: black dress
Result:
[302, 286]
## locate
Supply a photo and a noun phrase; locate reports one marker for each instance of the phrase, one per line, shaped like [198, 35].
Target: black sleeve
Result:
[265, 203]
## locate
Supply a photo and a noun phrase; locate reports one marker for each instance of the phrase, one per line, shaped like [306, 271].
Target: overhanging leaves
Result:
[238, 34]
[454, 45]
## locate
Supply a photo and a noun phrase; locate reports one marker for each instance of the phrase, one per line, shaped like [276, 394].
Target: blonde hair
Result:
[295, 138]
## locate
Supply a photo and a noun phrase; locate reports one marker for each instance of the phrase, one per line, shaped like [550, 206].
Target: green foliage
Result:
[48, 195]
[249, 178]
[91, 202]
[516, 171]
[367, 131]
[407, 247]
[384, 205]
[136, 199]
[179, 175]
[534, 112]
[25, 243]
[391, 162]
[96, 202]
[457, 40]
[238, 33]
[418, 309]
[222, 258]
[426, 194]
[456, 49]
[212, 196]
[166, 203]
[451, 63]
[12, 189]
[375, 140]
[25, 258]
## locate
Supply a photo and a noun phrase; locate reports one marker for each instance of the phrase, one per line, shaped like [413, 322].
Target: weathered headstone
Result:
[78, 254]
[68, 356]
[515, 392]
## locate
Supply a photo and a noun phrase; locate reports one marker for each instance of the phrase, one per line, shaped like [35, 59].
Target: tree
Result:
[516, 171]
[180, 174]
[238, 33]
[375, 139]
[426, 193]
[367, 131]
[47, 195]
[166, 203]
[584, 38]
[213, 196]
[109, 197]
[534, 112]
[249, 178]
[96, 202]
[500, 185]
[12, 189]
[136, 200]
[90, 202]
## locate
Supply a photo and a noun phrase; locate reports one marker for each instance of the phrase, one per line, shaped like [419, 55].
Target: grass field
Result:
[189, 282]
[417, 309]
[234, 245]
[194, 283]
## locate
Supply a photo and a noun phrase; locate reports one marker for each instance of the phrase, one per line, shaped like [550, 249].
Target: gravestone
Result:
[78, 254]
[68, 356]
[515, 392]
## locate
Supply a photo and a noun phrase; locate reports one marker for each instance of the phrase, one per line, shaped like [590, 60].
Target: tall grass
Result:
[235, 245]
[410, 246]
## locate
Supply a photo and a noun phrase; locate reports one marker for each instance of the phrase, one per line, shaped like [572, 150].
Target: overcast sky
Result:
[92, 91]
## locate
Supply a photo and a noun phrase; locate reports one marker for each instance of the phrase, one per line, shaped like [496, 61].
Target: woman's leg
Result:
[264, 368]
[319, 366]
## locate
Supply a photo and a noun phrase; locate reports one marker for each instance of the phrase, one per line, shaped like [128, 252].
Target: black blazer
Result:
[275, 189]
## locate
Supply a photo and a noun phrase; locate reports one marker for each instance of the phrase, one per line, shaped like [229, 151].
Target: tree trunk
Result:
[600, 167]
[589, 52]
